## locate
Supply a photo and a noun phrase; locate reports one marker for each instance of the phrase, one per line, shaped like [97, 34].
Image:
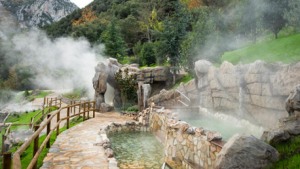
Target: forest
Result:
[174, 33]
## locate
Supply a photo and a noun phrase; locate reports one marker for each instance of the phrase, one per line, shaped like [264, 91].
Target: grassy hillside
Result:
[285, 49]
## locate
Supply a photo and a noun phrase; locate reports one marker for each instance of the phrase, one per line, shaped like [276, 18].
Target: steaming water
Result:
[137, 150]
[225, 124]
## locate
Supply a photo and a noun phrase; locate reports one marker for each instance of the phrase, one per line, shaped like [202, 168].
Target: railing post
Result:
[84, 108]
[74, 102]
[57, 128]
[3, 143]
[47, 102]
[35, 145]
[88, 110]
[51, 102]
[94, 107]
[79, 107]
[6, 160]
[68, 116]
[48, 130]
[71, 102]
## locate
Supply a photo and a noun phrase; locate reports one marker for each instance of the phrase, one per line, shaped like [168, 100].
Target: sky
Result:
[81, 3]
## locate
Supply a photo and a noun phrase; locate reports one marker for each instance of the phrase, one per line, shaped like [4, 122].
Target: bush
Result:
[134, 108]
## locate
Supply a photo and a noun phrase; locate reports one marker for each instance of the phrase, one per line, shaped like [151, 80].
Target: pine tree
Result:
[114, 43]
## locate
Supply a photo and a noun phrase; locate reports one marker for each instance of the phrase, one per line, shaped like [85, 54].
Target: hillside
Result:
[38, 12]
[178, 32]
[285, 49]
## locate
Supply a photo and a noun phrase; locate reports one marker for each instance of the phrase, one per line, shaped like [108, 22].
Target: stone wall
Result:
[256, 91]
[185, 146]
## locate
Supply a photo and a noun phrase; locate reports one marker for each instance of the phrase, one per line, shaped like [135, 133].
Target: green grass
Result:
[284, 49]
[27, 156]
[76, 94]
[289, 154]
[31, 95]
[25, 117]
[186, 78]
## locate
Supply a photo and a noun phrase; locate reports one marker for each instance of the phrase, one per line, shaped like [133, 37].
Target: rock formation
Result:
[292, 103]
[39, 12]
[256, 91]
[246, 152]
[288, 127]
[148, 80]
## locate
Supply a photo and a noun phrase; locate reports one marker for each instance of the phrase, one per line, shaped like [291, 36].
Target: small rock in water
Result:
[109, 153]
[213, 136]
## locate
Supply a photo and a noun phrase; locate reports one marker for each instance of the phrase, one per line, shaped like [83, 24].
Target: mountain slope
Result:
[39, 12]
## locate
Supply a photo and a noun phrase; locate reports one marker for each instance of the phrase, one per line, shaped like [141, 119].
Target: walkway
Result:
[77, 148]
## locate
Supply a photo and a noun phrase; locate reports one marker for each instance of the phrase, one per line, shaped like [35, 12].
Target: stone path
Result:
[77, 147]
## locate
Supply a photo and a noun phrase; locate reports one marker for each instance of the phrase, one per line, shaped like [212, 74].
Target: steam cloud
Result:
[63, 63]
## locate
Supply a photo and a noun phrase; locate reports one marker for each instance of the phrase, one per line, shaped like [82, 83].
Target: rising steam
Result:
[63, 63]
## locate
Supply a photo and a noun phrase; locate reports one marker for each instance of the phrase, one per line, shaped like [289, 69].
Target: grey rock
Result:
[290, 124]
[276, 136]
[246, 152]
[104, 107]
[292, 103]
[258, 89]
[213, 136]
[191, 130]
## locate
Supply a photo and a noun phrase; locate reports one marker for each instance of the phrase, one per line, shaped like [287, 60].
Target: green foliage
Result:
[190, 49]
[128, 85]
[148, 54]
[285, 49]
[176, 32]
[186, 78]
[134, 108]
[114, 43]
[292, 15]
[274, 15]
[289, 154]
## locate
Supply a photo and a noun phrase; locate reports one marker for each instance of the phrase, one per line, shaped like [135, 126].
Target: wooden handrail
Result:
[25, 145]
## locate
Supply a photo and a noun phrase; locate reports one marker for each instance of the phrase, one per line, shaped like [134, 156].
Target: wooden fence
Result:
[79, 109]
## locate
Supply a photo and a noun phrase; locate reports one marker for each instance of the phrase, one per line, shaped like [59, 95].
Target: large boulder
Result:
[292, 103]
[202, 67]
[246, 152]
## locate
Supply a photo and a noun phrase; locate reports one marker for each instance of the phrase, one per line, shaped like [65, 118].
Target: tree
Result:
[273, 16]
[249, 19]
[174, 31]
[114, 43]
[293, 14]
[128, 85]
[148, 54]
[195, 40]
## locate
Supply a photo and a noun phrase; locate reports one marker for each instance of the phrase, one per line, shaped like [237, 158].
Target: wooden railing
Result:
[83, 109]
[47, 105]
